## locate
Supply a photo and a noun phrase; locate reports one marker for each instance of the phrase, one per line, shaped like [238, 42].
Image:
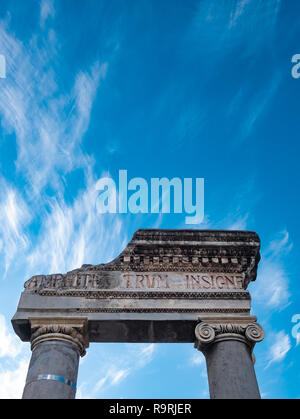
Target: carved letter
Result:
[230, 281]
[220, 280]
[139, 281]
[239, 282]
[207, 281]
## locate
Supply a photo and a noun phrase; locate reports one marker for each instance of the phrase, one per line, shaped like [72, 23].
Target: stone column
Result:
[228, 348]
[56, 348]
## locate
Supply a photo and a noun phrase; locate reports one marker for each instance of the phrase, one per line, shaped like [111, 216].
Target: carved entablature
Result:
[164, 261]
[154, 291]
[189, 250]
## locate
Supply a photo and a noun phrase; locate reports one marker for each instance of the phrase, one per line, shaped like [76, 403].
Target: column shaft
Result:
[52, 371]
[230, 370]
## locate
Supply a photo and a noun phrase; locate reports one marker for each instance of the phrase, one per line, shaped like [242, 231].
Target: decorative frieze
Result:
[157, 258]
[180, 274]
[178, 260]
[137, 281]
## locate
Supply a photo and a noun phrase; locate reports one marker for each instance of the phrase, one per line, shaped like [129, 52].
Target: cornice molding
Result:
[160, 251]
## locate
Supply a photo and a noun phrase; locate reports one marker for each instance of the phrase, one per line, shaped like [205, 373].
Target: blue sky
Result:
[161, 89]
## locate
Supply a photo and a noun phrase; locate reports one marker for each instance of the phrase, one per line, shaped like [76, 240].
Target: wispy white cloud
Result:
[298, 339]
[224, 25]
[75, 234]
[14, 218]
[10, 345]
[13, 380]
[280, 348]
[257, 105]
[239, 224]
[272, 287]
[254, 104]
[236, 28]
[245, 15]
[85, 89]
[47, 10]
[49, 141]
[143, 354]
[113, 377]
[49, 126]
[238, 12]
[281, 245]
[239, 211]
[197, 358]
[13, 363]
[48, 136]
[117, 369]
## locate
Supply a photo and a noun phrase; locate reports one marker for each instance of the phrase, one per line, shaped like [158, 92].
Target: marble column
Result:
[56, 350]
[228, 348]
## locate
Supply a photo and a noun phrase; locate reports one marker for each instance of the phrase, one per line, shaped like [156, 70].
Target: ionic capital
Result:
[64, 330]
[211, 332]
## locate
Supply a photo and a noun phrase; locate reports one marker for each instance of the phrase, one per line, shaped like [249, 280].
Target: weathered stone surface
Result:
[151, 252]
[163, 285]
[162, 275]
[230, 371]
[227, 345]
[53, 371]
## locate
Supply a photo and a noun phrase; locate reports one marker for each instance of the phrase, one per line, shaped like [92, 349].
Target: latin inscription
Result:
[173, 281]
[182, 281]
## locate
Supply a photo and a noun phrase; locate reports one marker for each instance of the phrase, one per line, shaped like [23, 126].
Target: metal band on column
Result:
[57, 345]
[53, 377]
